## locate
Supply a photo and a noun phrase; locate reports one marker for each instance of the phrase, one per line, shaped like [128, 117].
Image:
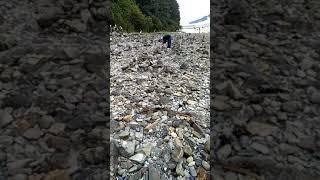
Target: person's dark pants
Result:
[169, 42]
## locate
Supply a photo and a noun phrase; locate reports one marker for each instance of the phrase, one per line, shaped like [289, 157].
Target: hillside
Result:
[146, 15]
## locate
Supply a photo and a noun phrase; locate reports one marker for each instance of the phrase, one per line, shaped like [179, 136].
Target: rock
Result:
[48, 16]
[260, 129]
[188, 150]
[260, 148]
[133, 169]
[127, 118]
[154, 173]
[22, 125]
[57, 174]
[291, 106]
[151, 126]
[230, 176]
[220, 105]
[202, 174]
[192, 163]
[232, 91]
[179, 169]
[308, 143]
[3, 156]
[57, 128]
[20, 177]
[76, 25]
[5, 118]
[18, 164]
[315, 97]
[177, 153]
[140, 158]
[124, 134]
[205, 165]
[59, 143]
[33, 133]
[193, 171]
[224, 152]
[45, 121]
[127, 148]
[207, 145]
[6, 140]
[190, 159]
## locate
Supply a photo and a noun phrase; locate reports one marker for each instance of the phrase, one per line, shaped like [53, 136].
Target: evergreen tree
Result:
[146, 15]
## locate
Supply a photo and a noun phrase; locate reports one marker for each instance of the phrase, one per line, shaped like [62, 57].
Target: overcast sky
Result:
[193, 9]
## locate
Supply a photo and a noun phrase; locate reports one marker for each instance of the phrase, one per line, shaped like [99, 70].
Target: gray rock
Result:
[220, 105]
[291, 106]
[230, 176]
[57, 128]
[76, 25]
[315, 97]
[193, 171]
[179, 169]
[33, 133]
[18, 164]
[224, 152]
[6, 140]
[19, 177]
[261, 129]
[5, 117]
[260, 148]
[124, 134]
[45, 121]
[154, 173]
[206, 165]
[177, 153]
[127, 148]
[140, 158]
[233, 91]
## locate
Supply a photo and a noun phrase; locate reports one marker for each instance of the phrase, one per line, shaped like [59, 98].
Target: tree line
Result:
[146, 15]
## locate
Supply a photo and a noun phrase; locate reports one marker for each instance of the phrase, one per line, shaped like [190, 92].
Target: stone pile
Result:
[266, 89]
[53, 119]
[159, 107]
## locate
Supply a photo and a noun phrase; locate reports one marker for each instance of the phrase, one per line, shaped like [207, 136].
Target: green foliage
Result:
[146, 15]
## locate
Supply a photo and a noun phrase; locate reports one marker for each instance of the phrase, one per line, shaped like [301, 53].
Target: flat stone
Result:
[6, 140]
[205, 165]
[220, 105]
[315, 97]
[260, 129]
[230, 176]
[233, 91]
[189, 159]
[193, 171]
[260, 148]
[45, 121]
[57, 175]
[124, 134]
[291, 106]
[140, 158]
[18, 164]
[5, 118]
[33, 133]
[179, 169]
[127, 148]
[19, 177]
[57, 128]
[224, 152]
[177, 153]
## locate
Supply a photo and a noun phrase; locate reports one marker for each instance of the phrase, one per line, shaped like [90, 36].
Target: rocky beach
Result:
[159, 106]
